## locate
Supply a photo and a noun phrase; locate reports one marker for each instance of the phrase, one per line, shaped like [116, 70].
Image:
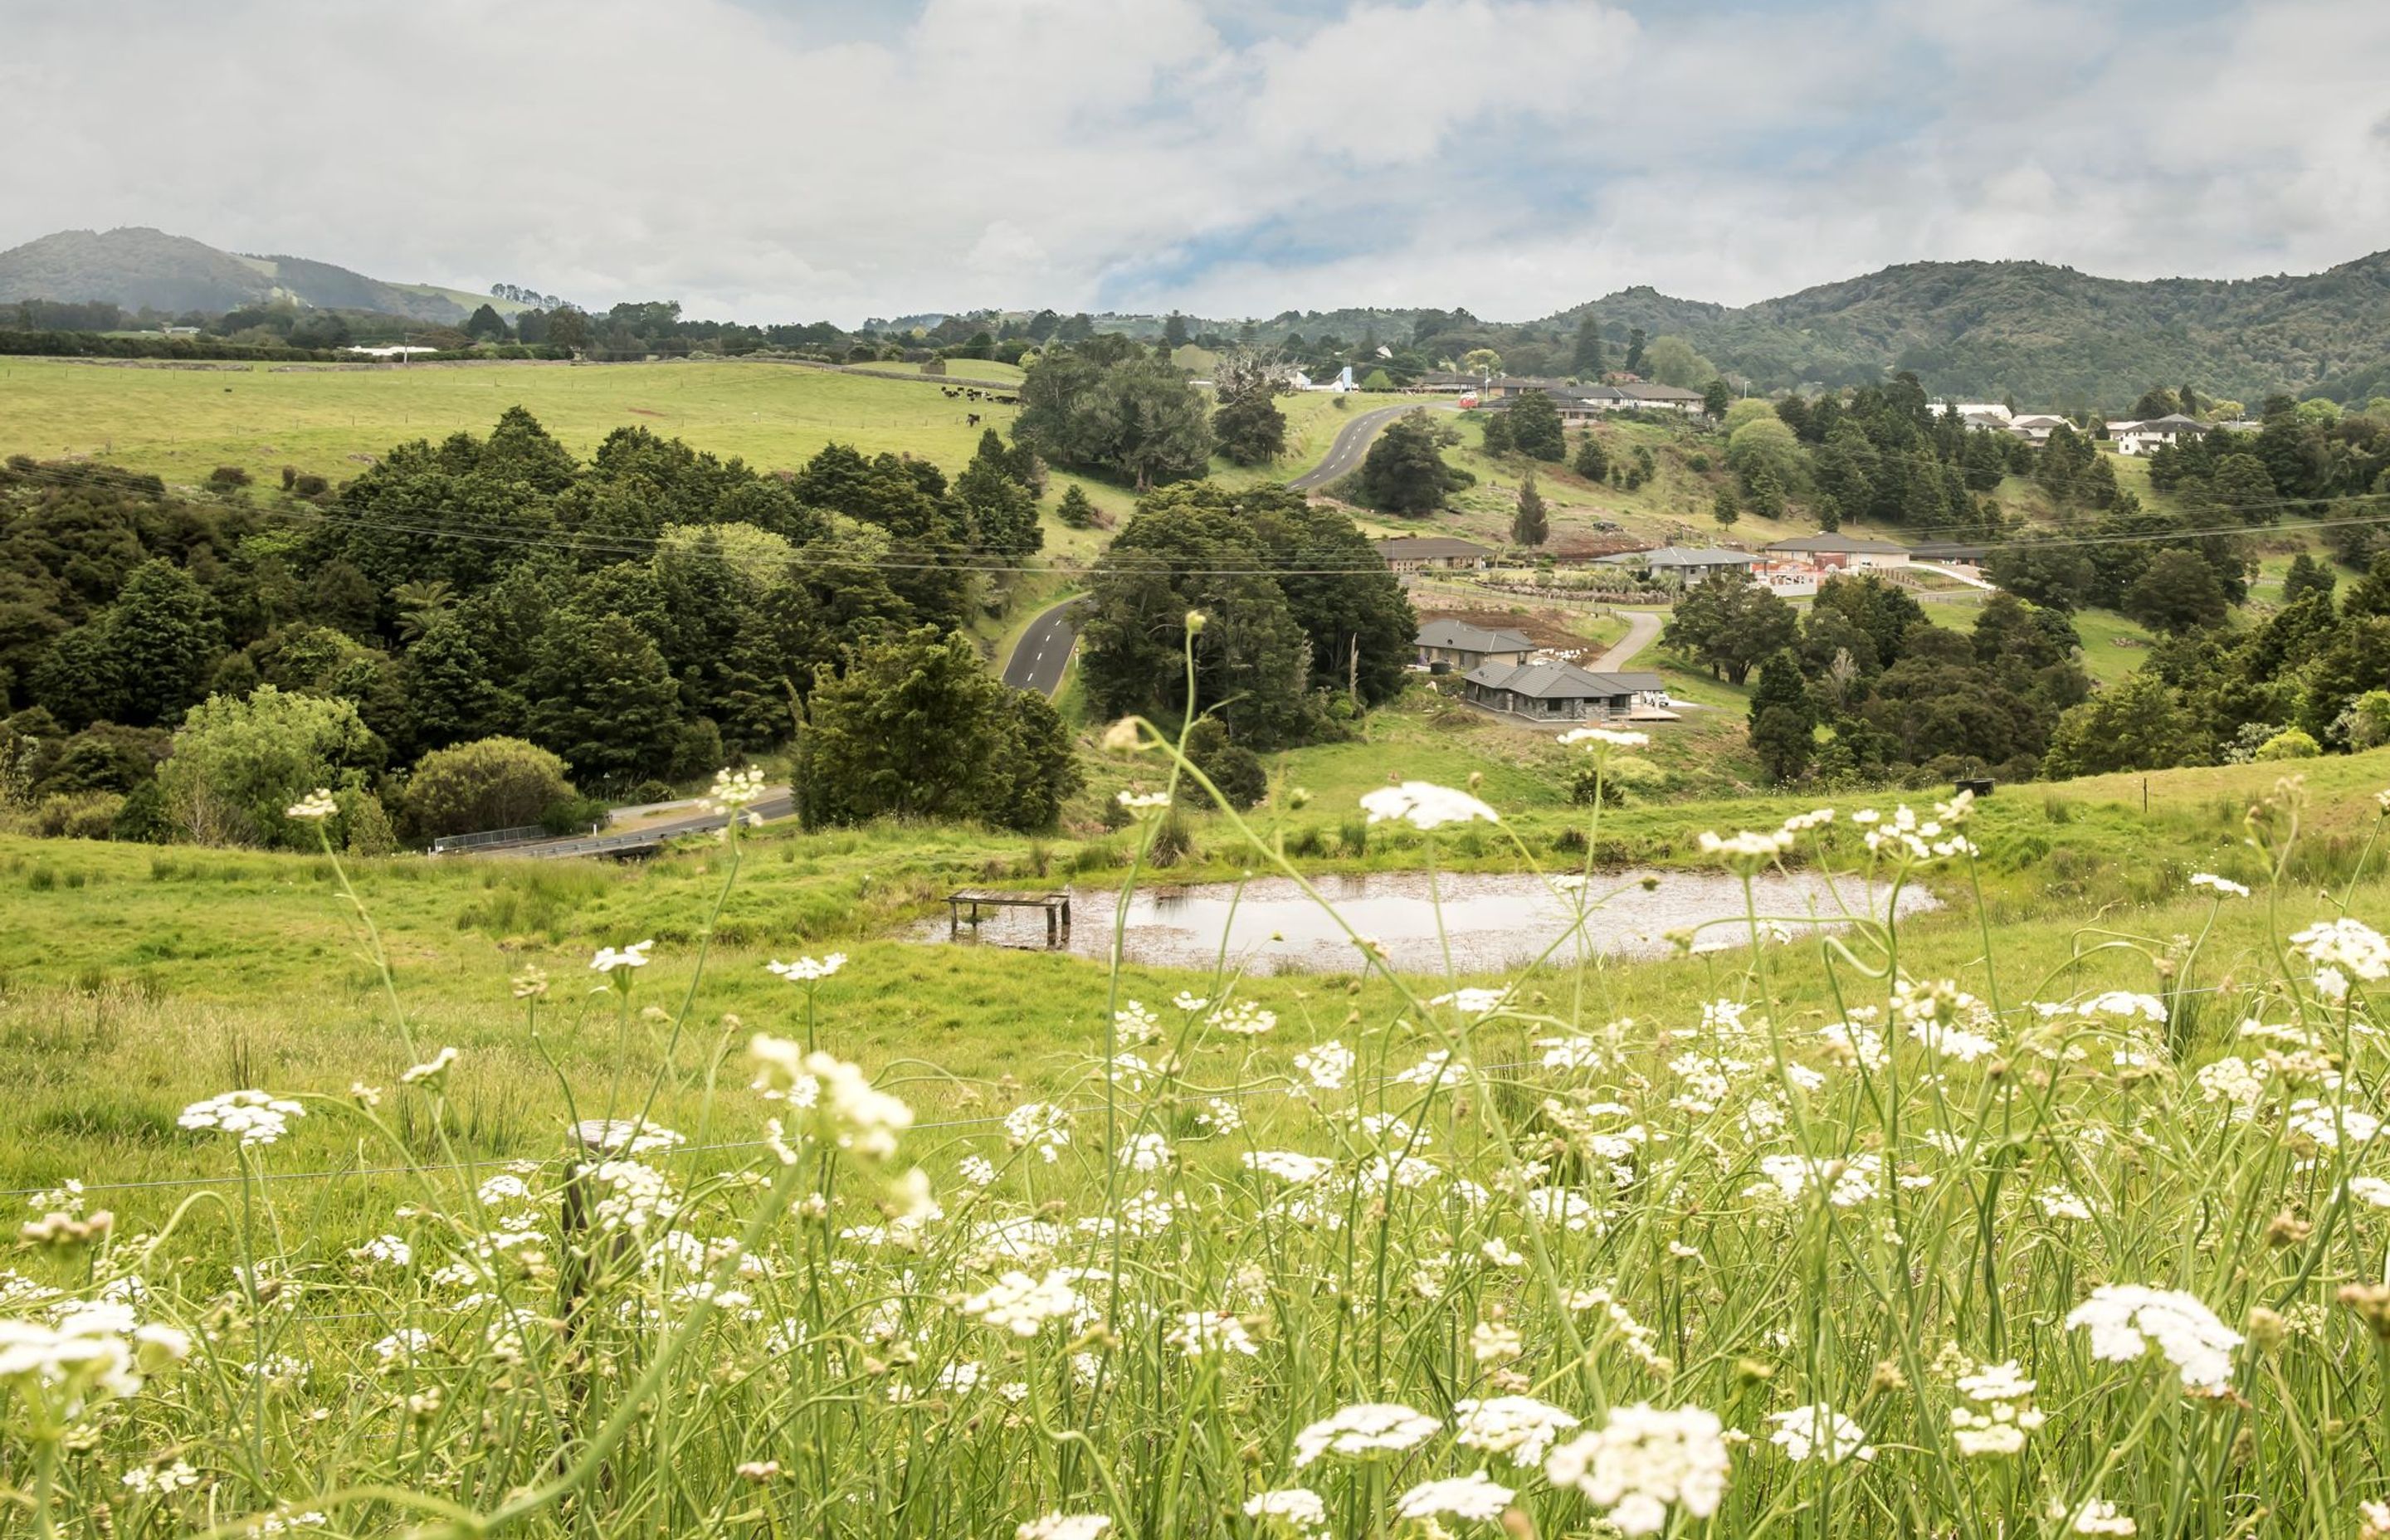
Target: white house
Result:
[1968, 411]
[2148, 437]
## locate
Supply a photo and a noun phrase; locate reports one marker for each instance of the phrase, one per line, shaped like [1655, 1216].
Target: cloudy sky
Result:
[797, 159]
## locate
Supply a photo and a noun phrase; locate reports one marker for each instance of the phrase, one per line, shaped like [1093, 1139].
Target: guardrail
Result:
[520, 835]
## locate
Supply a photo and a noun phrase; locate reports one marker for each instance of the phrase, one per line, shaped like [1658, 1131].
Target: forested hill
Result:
[139, 268]
[2048, 336]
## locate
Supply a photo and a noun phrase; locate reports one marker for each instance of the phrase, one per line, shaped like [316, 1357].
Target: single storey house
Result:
[1959, 553]
[1457, 644]
[2036, 429]
[1553, 692]
[1689, 564]
[1833, 549]
[1443, 382]
[1420, 553]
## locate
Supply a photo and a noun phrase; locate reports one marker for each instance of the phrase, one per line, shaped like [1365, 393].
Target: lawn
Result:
[2113, 646]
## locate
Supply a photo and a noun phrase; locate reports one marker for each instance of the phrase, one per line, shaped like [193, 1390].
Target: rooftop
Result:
[1837, 542]
[1557, 681]
[1680, 556]
[1466, 637]
[1416, 546]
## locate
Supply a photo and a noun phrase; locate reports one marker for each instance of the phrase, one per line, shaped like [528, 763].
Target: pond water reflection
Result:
[1489, 920]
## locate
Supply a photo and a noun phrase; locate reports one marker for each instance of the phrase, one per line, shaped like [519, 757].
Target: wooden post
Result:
[954, 919]
[1053, 921]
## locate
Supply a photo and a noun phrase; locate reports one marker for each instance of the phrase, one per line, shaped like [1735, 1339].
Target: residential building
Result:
[1503, 386]
[2149, 436]
[1420, 553]
[1458, 645]
[2036, 429]
[1949, 553]
[1553, 692]
[1443, 382]
[1690, 565]
[1996, 413]
[1842, 552]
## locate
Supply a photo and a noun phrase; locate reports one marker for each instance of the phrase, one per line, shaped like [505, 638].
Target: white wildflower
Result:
[609, 959]
[1020, 1304]
[1425, 805]
[1819, 1432]
[1644, 1461]
[1362, 1431]
[253, 1117]
[806, 970]
[2127, 1320]
[2350, 945]
[1206, 1333]
[315, 806]
[2222, 887]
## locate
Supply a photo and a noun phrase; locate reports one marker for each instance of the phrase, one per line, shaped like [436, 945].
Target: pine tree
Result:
[1530, 526]
[1586, 361]
[1592, 460]
[1724, 509]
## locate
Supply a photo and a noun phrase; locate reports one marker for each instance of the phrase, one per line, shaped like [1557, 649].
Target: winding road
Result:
[1352, 442]
[1043, 651]
[1039, 657]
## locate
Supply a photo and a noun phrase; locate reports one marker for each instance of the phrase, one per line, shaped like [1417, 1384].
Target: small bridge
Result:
[1056, 904]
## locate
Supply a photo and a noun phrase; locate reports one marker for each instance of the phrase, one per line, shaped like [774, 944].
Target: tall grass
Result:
[1755, 1267]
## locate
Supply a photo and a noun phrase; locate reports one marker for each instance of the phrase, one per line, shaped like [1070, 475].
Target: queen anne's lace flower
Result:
[2127, 1320]
[1644, 1461]
[1020, 1304]
[252, 1116]
[1423, 804]
[315, 806]
[2096, 1516]
[2350, 945]
[1063, 1526]
[1295, 1508]
[1041, 1127]
[853, 1112]
[1469, 1497]
[612, 959]
[2222, 887]
[1819, 1432]
[1604, 737]
[806, 970]
[1517, 1427]
[1209, 1333]
[1362, 1431]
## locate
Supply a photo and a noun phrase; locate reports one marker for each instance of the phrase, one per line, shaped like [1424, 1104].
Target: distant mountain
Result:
[2049, 336]
[138, 267]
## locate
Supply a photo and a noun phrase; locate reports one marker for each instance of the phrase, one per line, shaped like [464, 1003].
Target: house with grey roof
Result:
[1458, 645]
[1554, 692]
[1685, 563]
[1415, 553]
[2149, 436]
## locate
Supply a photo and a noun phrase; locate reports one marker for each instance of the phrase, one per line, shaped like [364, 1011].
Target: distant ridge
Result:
[135, 267]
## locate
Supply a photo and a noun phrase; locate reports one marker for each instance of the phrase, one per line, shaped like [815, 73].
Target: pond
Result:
[1490, 920]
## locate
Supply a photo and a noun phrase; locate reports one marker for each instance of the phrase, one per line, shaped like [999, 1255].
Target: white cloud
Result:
[1514, 155]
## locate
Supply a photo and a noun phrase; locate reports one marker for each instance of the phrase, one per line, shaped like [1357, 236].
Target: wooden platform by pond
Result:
[1056, 904]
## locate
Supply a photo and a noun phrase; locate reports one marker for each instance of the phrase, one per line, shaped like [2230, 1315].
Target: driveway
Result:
[1043, 651]
[1643, 630]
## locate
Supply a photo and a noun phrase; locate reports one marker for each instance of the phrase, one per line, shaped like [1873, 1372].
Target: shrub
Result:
[78, 814]
[237, 764]
[491, 783]
[2296, 743]
[225, 477]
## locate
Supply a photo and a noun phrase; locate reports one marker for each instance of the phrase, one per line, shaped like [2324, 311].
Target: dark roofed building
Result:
[1553, 692]
[1685, 562]
[1415, 553]
[1457, 644]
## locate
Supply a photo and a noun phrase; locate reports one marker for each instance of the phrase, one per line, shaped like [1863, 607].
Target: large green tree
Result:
[916, 727]
[1403, 472]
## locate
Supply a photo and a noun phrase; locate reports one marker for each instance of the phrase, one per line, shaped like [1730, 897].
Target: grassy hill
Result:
[136, 267]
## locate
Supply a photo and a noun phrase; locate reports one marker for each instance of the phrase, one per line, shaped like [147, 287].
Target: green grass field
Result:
[1652, 1183]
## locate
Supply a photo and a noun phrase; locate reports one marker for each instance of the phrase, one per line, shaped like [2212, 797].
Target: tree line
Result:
[643, 616]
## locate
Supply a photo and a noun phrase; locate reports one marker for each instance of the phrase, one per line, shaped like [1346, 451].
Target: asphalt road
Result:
[1043, 651]
[1643, 628]
[1352, 442]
